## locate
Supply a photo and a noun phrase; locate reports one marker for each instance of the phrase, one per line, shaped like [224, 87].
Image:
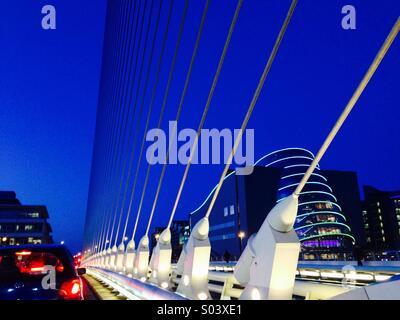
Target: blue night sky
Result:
[50, 79]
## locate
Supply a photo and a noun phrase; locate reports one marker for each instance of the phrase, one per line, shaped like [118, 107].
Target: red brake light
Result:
[71, 289]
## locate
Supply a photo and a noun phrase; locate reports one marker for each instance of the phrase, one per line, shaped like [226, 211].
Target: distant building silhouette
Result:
[381, 214]
[22, 224]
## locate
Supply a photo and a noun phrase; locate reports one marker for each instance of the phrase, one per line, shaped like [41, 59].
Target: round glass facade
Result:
[320, 225]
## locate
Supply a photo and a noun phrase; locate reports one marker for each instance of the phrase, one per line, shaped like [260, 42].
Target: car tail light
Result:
[72, 290]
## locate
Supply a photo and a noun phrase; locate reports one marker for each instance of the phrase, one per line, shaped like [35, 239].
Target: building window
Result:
[34, 215]
[232, 210]
[380, 218]
[28, 227]
[225, 211]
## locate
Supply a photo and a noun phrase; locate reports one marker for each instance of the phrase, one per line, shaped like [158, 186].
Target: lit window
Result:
[383, 232]
[28, 227]
[383, 239]
[380, 218]
[232, 210]
[381, 225]
[225, 211]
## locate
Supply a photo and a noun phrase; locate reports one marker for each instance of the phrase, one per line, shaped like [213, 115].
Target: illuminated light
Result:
[143, 279]
[309, 182]
[313, 202]
[10, 290]
[126, 239]
[335, 275]
[381, 277]
[305, 215]
[23, 253]
[288, 158]
[285, 149]
[255, 294]
[75, 288]
[4, 239]
[35, 289]
[328, 234]
[298, 165]
[157, 236]
[302, 174]
[319, 192]
[38, 269]
[62, 242]
[359, 276]
[319, 223]
[164, 285]
[202, 296]
[186, 280]
[135, 271]
[308, 273]
[241, 235]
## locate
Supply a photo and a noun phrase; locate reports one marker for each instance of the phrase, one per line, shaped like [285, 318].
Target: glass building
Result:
[320, 225]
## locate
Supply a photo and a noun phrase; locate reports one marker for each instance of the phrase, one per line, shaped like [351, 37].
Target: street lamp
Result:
[62, 242]
[241, 236]
[4, 239]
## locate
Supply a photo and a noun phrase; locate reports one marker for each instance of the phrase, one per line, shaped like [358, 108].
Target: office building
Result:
[381, 214]
[22, 224]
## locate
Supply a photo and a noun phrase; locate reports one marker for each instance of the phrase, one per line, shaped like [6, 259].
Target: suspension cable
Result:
[367, 77]
[126, 108]
[183, 96]
[253, 102]
[164, 103]
[150, 62]
[207, 106]
[129, 134]
[116, 131]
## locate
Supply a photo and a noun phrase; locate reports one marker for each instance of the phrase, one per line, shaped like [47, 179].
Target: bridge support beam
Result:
[194, 262]
[141, 265]
[108, 258]
[267, 266]
[119, 266]
[129, 258]
[113, 258]
[160, 262]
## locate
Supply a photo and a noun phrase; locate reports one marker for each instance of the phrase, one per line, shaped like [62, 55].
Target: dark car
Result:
[39, 272]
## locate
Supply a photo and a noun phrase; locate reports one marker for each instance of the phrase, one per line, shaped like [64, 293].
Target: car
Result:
[39, 272]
